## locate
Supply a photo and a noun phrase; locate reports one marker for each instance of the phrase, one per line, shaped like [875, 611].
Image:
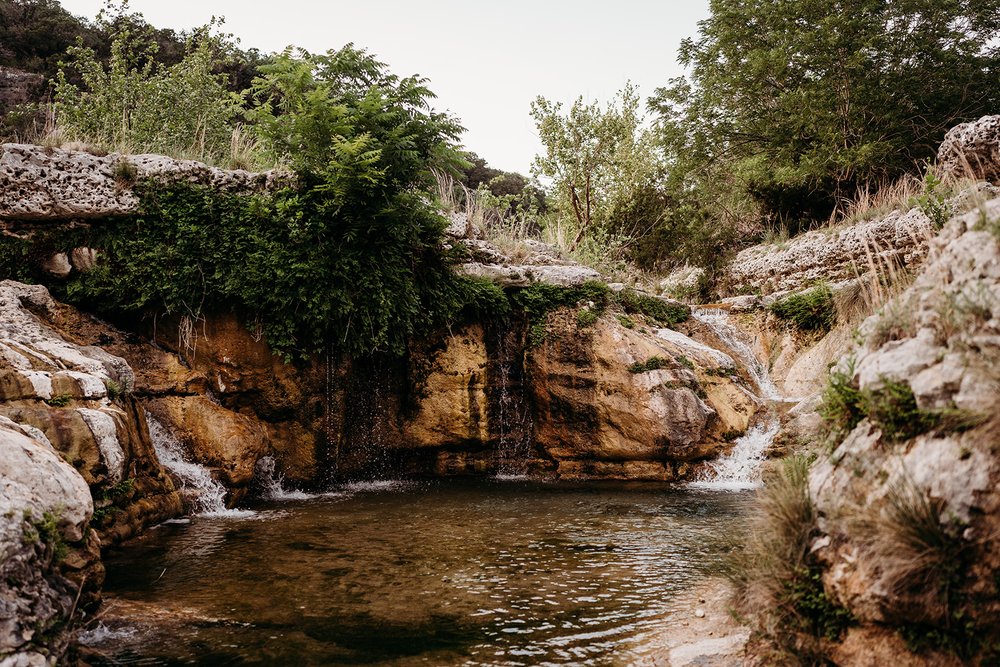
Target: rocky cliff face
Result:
[80, 398]
[49, 563]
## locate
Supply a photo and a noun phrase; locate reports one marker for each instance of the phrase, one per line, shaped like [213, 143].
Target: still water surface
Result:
[442, 573]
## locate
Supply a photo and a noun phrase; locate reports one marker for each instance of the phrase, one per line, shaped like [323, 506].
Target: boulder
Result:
[973, 150]
[45, 506]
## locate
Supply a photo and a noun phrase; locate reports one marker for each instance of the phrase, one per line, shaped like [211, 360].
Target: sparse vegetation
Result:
[654, 363]
[59, 400]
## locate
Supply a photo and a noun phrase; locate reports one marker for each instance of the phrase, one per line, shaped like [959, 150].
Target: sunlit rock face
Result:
[78, 398]
[46, 555]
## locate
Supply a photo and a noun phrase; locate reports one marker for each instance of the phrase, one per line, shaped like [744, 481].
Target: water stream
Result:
[741, 468]
[443, 573]
[209, 495]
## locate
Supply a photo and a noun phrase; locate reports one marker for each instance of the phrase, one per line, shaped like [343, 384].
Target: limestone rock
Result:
[899, 238]
[63, 391]
[36, 599]
[592, 407]
[973, 149]
[530, 262]
[39, 183]
[18, 87]
[947, 353]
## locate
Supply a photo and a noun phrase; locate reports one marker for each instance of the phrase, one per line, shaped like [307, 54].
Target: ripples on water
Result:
[438, 573]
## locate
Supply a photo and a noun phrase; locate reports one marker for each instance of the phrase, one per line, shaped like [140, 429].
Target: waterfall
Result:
[718, 320]
[740, 469]
[272, 483]
[210, 494]
[509, 415]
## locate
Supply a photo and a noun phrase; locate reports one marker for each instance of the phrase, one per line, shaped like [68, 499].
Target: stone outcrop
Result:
[973, 150]
[939, 340]
[51, 184]
[78, 397]
[536, 262]
[46, 555]
[18, 87]
[899, 240]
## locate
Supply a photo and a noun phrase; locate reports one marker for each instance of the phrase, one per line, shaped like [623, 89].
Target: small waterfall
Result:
[718, 320]
[210, 494]
[509, 415]
[740, 469]
[272, 483]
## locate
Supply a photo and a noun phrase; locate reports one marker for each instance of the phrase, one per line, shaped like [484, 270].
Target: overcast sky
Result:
[485, 61]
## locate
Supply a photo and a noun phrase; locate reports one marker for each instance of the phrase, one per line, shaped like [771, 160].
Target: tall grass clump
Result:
[778, 583]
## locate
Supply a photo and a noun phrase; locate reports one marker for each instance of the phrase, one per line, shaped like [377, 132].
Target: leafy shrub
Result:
[685, 362]
[134, 104]
[812, 310]
[60, 400]
[586, 317]
[842, 406]
[539, 299]
[933, 201]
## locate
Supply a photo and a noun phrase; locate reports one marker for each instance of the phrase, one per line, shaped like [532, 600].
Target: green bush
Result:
[662, 312]
[134, 104]
[812, 310]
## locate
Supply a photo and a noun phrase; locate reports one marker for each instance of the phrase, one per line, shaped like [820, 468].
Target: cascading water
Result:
[741, 468]
[718, 320]
[510, 418]
[210, 494]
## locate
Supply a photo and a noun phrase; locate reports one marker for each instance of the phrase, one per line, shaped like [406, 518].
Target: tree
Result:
[800, 102]
[600, 162]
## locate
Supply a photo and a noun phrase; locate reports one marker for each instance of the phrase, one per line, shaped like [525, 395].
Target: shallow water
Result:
[442, 573]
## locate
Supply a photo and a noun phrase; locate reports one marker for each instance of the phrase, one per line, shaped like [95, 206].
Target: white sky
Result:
[486, 61]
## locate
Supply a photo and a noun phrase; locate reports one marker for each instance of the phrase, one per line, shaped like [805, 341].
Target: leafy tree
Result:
[796, 103]
[34, 34]
[136, 104]
[601, 162]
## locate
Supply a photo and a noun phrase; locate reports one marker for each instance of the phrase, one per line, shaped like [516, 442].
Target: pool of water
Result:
[440, 573]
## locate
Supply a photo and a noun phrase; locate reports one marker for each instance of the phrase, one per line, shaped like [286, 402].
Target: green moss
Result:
[651, 364]
[586, 317]
[45, 530]
[812, 310]
[660, 311]
[816, 613]
[626, 321]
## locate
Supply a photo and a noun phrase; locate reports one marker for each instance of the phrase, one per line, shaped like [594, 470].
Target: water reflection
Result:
[443, 573]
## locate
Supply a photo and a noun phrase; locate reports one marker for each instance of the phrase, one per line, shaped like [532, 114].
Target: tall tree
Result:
[799, 102]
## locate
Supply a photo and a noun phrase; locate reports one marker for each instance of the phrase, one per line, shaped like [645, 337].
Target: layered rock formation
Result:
[48, 561]
[79, 397]
[908, 502]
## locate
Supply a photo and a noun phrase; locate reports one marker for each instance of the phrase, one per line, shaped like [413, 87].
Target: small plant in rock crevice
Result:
[59, 400]
[654, 363]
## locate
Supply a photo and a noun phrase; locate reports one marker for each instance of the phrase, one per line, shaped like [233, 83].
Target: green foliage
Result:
[60, 400]
[662, 312]
[115, 389]
[312, 277]
[135, 104]
[933, 201]
[539, 299]
[626, 321]
[816, 612]
[585, 317]
[796, 104]
[652, 364]
[45, 530]
[842, 406]
[812, 310]
[685, 362]
[892, 408]
[602, 164]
